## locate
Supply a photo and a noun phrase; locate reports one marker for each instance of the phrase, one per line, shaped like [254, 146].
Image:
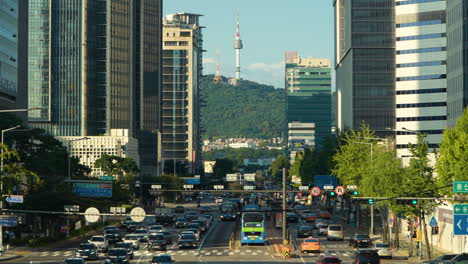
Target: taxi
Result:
[310, 245]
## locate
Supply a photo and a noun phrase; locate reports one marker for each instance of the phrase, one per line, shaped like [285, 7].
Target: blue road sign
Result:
[92, 189]
[15, 199]
[460, 225]
[433, 222]
[192, 181]
[8, 221]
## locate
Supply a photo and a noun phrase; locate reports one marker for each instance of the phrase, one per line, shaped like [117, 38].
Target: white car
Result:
[133, 239]
[196, 234]
[100, 242]
[219, 200]
[383, 250]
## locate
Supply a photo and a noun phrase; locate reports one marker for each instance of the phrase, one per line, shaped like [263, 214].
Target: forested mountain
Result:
[249, 110]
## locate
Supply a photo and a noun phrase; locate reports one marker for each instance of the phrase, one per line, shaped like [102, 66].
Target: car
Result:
[143, 233]
[205, 209]
[209, 217]
[195, 231]
[181, 222]
[162, 259]
[305, 231]
[110, 228]
[218, 200]
[366, 256]
[203, 225]
[191, 216]
[157, 241]
[319, 222]
[324, 215]
[440, 259]
[112, 238]
[302, 213]
[117, 255]
[74, 261]
[100, 242]
[179, 209]
[187, 241]
[131, 226]
[155, 228]
[164, 219]
[87, 251]
[292, 218]
[127, 246]
[328, 260]
[360, 241]
[133, 239]
[323, 229]
[195, 225]
[299, 207]
[383, 249]
[458, 259]
[310, 217]
[167, 235]
[335, 232]
[310, 245]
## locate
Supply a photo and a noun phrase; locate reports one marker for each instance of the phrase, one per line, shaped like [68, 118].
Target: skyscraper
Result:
[457, 59]
[182, 70]
[94, 68]
[421, 74]
[8, 54]
[365, 64]
[308, 88]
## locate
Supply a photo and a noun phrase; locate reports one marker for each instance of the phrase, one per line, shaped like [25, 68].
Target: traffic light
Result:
[332, 193]
[371, 201]
[407, 201]
[354, 193]
[414, 202]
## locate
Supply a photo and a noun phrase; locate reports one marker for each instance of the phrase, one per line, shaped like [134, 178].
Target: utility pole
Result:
[284, 205]
[372, 219]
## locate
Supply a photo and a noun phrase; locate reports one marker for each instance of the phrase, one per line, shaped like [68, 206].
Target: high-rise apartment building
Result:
[365, 64]
[421, 74]
[181, 74]
[93, 68]
[308, 88]
[8, 53]
[457, 59]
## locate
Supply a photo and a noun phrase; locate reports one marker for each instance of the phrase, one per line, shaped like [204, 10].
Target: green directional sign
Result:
[460, 209]
[106, 178]
[460, 186]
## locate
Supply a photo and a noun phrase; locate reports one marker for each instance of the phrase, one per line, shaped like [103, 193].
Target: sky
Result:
[268, 29]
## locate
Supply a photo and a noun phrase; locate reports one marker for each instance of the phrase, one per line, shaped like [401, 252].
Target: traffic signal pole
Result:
[284, 205]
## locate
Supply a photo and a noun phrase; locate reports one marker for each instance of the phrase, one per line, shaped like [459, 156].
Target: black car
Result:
[167, 235]
[194, 225]
[87, 251]
[360, 241]
[460, 258]
[202, 224]
[165, 220]
[179, 209]
[112, 238]
[127, 246]
[187, 241]
[440, 259]
[181, 223]
[157, 241]
[292, 218]
[162, 259]
[191, 216]
[117, 255]
[305, 231]
[205, 209]
[366, 256]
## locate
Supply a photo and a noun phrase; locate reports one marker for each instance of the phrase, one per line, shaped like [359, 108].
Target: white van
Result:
[335, 232]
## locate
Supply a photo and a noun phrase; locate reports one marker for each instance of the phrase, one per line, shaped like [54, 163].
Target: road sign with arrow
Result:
[460, 219]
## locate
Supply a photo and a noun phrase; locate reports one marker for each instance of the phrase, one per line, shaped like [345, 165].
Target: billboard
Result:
[233, 177]
[93, 189]
[249, 177]
[297, 144]
[192, 180]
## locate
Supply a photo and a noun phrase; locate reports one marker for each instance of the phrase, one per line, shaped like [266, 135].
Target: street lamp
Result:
[69, 154]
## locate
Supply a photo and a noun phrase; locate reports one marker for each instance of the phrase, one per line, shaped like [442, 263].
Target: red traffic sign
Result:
[315, 191]
[340, 190]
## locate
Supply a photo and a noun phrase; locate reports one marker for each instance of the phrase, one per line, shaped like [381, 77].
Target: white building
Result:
[89, 149]
[299, 133]
[242, 145]
[421, 83]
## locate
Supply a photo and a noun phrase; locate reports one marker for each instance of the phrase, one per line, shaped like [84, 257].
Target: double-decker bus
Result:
[253, 228]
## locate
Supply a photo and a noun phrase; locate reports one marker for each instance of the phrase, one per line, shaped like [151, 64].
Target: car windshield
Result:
[334, 228]
[162, 259]
[97, 239]
[87, 246]
[311, 240]
[186, 237]
[131, 238]
[181, 220]
[362, 237]
[305, 228]
[156, 228]
[141, 231]
[117, 252]
[382, 245]
[123, 245]
[74, 261]
[156, 237]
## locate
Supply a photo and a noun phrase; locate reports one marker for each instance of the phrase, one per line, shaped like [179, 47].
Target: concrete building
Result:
[182, 70]
[8, 53]
[300, 137]
[421, 74]
[308, 88]
[457, 59]
[93, 67]
[88, 150]
[365, 64]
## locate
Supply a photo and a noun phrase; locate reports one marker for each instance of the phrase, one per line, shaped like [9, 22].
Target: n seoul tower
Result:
[238, 47]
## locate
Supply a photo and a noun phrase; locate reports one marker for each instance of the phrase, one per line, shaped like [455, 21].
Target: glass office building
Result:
[457, 59]
[308, 88]
[8, 53]
[365, 64]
